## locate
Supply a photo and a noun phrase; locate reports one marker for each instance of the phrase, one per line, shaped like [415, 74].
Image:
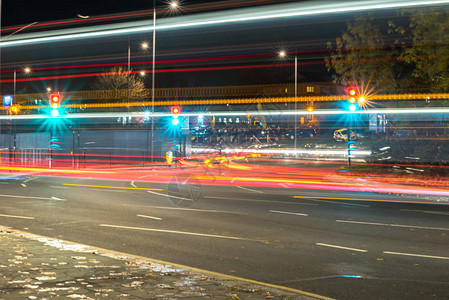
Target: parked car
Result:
[341, 135]
[301, 132]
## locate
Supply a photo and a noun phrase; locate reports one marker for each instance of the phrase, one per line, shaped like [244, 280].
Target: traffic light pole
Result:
[349, 145]
[153, 81]
[296, 97]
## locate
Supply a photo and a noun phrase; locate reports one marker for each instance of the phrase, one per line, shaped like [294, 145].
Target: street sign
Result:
[7, 101]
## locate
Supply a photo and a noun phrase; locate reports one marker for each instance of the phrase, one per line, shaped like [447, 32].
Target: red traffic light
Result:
[352, 92]
[175, 110]
[54, 100]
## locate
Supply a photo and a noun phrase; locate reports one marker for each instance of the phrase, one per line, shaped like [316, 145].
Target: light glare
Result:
[54, 113]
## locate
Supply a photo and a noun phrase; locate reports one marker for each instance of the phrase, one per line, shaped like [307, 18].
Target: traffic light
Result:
[352, 93]
[175, 111]
[352, 107]
[55, 101]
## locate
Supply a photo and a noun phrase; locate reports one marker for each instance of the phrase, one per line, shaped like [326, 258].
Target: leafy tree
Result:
[428, 53]
[117, 79]
[360, 56]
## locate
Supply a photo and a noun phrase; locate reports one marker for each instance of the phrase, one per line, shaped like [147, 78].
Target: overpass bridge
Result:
[216, 95]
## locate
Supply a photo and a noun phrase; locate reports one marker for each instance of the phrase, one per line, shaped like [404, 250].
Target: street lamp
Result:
[144, 46]
[26, 70]
[173, 5]
[283, 54]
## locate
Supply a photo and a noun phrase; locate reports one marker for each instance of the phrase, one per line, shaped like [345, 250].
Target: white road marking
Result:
[19, 217]
[392, 225]
[195, 209]
[58, 187]
[341, 203]
[249, 190]
[57, 199]
[150, 217]
[417, 255]
[23, 184]
[133, 184]
[288, 213]
[171, 196]
[254, 200]
[26, 197]
[341, 247]
[445, 213]
[180, 232]
[30, 179]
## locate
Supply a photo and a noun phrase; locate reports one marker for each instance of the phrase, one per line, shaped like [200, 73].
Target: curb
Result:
[231, 282]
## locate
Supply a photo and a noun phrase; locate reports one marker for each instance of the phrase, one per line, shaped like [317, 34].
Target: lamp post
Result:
[144, 46]
[282, 54]
[26, 70]
[173, 5]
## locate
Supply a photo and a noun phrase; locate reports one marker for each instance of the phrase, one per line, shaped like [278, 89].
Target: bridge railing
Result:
[161, 94]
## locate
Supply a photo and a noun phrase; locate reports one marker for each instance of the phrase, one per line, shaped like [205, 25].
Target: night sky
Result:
[18, 12]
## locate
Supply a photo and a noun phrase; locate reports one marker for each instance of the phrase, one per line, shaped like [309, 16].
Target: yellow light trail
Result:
[112, 187]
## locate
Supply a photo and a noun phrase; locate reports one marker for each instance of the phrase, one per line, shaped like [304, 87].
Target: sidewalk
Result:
[36, 267]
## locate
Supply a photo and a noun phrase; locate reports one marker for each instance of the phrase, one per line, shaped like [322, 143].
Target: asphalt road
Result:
[318, 241]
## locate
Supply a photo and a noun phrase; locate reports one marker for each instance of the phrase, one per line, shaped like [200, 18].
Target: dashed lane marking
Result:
[341, 247]
[181, 232]
[289, 213]
[57, 199]
[445, 213]
[150, 217]
[249, 190]
[197, 209]
[392, 225]
[29, 197]
[18, 217]
[416, 255]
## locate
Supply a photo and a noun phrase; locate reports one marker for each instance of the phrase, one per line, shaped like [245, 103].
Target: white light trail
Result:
[291, 10]
[386, 111]
[318, 152]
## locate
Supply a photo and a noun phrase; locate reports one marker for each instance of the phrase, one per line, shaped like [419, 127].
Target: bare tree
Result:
[117, 79]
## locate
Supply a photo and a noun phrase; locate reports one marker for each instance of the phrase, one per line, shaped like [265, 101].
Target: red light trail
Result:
[158, 71]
